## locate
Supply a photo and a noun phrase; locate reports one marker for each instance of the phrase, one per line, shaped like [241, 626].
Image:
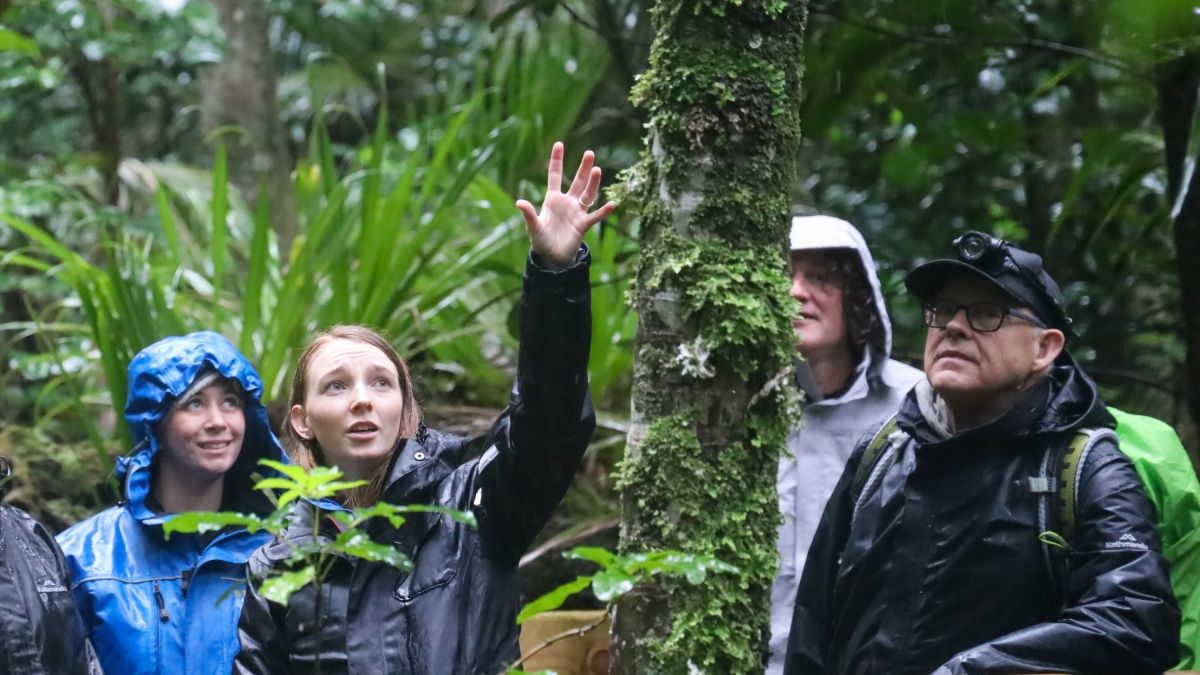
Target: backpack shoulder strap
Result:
[1070, 469]
[1058, 493]
[877, 457]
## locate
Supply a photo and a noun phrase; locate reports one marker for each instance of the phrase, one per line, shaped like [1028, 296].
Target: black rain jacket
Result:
[456, 611]
[942, 570]
[40, 631]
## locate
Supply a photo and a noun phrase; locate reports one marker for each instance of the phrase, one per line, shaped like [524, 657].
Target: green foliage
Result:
[618, 574]
[1035, 121]
[60, 61]
[11, 41]
[316, 483]
[311, 560]
[279, 589]
[412, 260]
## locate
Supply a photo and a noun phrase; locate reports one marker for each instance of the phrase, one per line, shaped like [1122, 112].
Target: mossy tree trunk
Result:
[711, 407]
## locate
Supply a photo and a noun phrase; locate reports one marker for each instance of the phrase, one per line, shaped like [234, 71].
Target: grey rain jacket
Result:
[456, 611]
[942, 570]
[40, 631]
[828, 432]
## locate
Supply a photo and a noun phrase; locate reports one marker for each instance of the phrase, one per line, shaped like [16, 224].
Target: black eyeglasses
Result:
[984, 317]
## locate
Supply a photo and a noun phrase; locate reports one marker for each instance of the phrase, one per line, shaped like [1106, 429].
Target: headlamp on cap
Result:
[992, 255]
[979, 248]
[995, 257]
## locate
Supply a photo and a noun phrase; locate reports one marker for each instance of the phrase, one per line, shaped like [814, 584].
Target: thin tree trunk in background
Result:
[103, 109]
[711, 405]
[240, 92]
[1178, 85]
[99, 84]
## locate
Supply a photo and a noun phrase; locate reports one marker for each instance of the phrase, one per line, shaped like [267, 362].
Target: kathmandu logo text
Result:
[1126, 541]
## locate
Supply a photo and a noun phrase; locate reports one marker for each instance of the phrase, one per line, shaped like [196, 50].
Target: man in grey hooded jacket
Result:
[850, 385]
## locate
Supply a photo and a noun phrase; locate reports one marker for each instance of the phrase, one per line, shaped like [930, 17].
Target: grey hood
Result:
[827, 232]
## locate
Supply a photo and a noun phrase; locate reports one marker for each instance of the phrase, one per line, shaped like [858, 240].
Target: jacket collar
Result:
[419, 465]
[418, 468]
[1064, 400]
[860, 385]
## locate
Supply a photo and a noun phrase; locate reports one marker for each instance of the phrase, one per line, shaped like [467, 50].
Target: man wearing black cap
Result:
[940, 550]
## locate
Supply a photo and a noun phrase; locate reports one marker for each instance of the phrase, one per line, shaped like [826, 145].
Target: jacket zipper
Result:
[187, 579]
[162, 605]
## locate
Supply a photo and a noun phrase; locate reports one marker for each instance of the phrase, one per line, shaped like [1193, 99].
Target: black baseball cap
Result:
[1019, 273]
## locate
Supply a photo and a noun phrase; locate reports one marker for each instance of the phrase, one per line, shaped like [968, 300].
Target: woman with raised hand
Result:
[352, 406]
[158, 605]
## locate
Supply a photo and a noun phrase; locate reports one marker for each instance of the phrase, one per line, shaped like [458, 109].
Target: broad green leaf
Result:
[554, 599]
[610, 584]
[288, 497]
[323, 474]
[279, 589]
[600, 556]
[276, 483]
[464, 517]
[390, 512]
[209, 521]
[322, 489]
[12, 41]
[356, 543]
[296, 473]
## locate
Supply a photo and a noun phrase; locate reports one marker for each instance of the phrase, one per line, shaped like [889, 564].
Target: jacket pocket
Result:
[128, 630]
[423, 579]
[435, 560]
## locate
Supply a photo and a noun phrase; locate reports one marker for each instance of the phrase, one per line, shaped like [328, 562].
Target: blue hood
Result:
[162, 372]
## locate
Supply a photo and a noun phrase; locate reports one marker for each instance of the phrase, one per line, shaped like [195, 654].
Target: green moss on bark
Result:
[715, 338]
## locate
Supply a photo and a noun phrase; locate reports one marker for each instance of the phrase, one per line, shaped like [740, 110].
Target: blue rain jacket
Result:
[156, 605]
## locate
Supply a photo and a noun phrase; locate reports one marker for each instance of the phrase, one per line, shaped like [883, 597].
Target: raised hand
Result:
[556, 232]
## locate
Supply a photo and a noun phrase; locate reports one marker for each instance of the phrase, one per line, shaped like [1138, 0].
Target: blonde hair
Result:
[307, 452]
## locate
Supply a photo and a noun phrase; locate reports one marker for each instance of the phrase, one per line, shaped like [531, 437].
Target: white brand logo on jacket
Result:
[1126, 541]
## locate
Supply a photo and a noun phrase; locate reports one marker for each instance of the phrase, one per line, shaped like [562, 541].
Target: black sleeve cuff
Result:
[536, 265]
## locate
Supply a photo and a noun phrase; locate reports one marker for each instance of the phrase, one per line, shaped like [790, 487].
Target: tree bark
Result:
[711, 408]
[1178, 85]
[240, 92]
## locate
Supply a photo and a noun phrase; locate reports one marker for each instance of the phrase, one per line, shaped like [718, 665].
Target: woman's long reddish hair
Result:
[307, 452]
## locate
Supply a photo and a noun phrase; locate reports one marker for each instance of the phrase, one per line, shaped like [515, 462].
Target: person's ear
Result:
[1050, 344]
[299, 422]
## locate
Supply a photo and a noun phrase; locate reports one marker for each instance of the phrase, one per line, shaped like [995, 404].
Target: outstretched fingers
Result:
[555, 171]
[532, 222]
[583, 175]
[591, 189]
[600, 213]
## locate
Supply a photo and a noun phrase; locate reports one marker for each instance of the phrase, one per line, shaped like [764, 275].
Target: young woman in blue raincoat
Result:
[157, 605]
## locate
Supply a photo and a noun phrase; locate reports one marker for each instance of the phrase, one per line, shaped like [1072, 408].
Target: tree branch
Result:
[1035, 44]
[573, 632]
